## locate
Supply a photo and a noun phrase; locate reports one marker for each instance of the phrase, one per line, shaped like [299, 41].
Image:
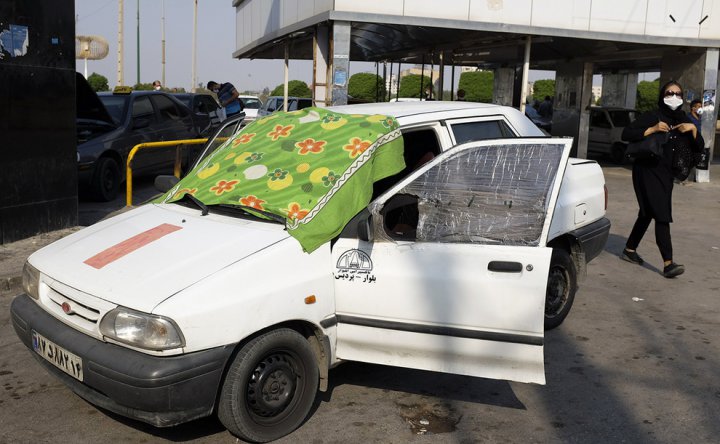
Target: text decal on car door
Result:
[126, 247]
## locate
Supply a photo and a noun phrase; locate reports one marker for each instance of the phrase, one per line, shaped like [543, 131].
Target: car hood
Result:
[87, 103]
[142, 257]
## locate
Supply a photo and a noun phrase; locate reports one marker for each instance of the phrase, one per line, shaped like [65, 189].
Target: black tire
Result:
[561, 288]
[270, 387]
[106, 180]
[617, 153]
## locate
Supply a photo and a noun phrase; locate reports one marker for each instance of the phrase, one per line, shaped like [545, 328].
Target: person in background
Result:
[227, 96]
[546, 108]
[157, 86]
[653, 177]
[694, 114]
[461, 95]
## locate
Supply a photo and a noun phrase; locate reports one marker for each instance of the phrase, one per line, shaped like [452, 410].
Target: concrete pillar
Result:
[571, 107]
[321, 64]
[698, 74]
[503, 86]
[340, 62]
[619, 90]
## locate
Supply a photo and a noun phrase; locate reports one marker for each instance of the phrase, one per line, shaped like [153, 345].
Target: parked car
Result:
[606, 127]
[544, 123]
[221, 134]
[251, 106]
[275, 103]
[119, 121]
[206, 111]
[181, 308]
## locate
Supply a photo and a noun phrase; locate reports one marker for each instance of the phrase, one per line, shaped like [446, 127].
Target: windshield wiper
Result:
[189, 197]
[254, 212]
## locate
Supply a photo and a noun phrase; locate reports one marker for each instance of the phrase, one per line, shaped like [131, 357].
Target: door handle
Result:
[505, 267]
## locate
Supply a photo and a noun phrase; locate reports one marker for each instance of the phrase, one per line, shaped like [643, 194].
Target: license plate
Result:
[58, 356]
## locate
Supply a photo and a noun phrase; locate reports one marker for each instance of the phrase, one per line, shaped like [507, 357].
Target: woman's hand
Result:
[660, 127]
[685, 127]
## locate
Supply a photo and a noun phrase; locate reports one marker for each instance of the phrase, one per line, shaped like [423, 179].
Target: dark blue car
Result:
[108, 128]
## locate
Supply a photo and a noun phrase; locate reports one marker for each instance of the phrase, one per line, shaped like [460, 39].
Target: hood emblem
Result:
[67, 308]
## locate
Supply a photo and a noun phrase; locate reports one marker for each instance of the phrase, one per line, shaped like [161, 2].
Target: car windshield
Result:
[116, 106]
[314, 168]
[251, 102]
[622, 118]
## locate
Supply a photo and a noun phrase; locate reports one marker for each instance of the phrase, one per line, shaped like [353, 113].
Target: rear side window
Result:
[142, 109]
[622, 118]
[167, 109]
[481, 130]
[210, 104]
[304, 103]
[598, 120]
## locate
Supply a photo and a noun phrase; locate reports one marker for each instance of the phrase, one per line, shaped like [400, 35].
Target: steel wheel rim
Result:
[272, 389]
[558, 291]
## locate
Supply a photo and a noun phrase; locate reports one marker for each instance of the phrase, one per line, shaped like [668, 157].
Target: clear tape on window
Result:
[491, 195]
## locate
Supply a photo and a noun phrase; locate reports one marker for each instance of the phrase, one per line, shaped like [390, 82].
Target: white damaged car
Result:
[211, 301]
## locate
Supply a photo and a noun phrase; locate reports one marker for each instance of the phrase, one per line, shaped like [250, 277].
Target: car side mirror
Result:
[165, 183]
[359, 227]
[365, 229]
[141, 123]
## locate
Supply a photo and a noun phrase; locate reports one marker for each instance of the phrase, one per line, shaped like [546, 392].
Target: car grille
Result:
[81, 314]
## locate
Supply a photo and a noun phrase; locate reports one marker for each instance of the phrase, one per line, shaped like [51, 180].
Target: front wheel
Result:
[106, 180]
[561, 288]
[270, 387]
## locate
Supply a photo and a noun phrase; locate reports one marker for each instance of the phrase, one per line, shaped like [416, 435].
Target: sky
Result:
[215, 45]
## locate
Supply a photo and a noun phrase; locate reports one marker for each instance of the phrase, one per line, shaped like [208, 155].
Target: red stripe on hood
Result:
[126, 247]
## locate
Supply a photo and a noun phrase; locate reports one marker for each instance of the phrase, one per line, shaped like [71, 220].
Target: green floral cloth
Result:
[313, 167]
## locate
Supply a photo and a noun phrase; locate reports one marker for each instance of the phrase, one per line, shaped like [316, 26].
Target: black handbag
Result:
[684, 159]
[649, 147]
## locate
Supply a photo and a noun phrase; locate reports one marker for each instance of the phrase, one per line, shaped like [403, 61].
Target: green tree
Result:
[410, 85]
[543, 88]
[647, 95]
[478, 85]
[296, 88]
[98, 82]
[142, 87]
[366, 87]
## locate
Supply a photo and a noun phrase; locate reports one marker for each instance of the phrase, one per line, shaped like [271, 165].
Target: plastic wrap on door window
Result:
[494, 195]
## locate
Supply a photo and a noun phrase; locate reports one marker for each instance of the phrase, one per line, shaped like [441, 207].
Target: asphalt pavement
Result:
[636, 361]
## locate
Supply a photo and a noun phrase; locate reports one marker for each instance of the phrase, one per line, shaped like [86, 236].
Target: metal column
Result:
[340, 62]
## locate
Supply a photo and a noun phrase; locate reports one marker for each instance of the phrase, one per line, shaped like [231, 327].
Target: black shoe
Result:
[672, 270]
[631, 256]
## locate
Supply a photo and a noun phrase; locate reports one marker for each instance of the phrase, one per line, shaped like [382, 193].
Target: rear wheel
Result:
[561, 288]
[106, 181]
[270, 387]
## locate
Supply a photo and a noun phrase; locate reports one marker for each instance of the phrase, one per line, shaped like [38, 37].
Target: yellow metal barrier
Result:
[178, 143]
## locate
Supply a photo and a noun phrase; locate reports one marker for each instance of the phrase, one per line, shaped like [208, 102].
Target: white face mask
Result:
[673, 102]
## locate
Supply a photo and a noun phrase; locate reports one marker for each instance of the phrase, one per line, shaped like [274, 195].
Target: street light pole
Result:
[194, 49]
[120, 44]
[163, 44]
[138, 42]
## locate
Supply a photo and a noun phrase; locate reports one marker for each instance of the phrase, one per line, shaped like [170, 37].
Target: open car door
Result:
[449, 270]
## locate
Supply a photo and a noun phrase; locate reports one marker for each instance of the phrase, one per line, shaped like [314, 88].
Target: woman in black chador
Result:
[653, 177]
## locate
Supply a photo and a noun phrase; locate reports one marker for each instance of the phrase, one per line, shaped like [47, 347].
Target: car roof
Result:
[409, 113]
[611, 108]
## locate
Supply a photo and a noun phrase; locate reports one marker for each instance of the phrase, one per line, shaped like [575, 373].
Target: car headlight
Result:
[31, 280]
[141, 330]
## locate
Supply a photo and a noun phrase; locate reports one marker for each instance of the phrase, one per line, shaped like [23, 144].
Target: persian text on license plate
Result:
[58, 356]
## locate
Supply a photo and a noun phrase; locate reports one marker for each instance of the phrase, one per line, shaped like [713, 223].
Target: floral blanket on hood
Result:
[314, 168]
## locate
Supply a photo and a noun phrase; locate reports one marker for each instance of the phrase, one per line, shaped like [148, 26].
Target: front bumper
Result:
[161, 391]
